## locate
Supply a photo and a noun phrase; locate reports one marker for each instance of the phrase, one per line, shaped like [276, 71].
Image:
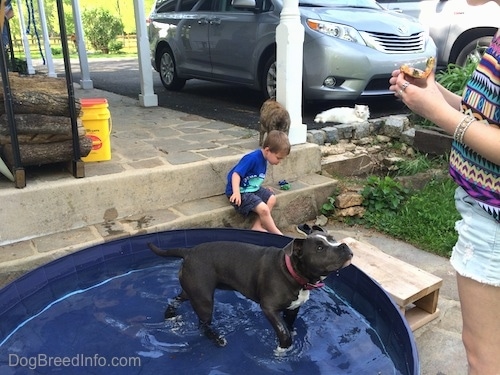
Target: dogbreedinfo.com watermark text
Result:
[79, 360]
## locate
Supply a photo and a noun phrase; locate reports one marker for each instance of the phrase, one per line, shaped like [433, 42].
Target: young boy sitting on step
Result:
[244, 181]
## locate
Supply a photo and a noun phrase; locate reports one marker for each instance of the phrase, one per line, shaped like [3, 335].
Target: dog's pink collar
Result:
[302, 281]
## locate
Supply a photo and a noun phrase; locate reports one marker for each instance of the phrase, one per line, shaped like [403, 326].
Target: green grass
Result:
[420, 163]
[426, 219]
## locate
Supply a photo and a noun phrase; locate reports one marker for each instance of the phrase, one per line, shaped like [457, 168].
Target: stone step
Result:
[66, 203]
[299, 204]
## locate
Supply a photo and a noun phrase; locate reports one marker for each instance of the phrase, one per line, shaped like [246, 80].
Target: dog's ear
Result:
[295, 247]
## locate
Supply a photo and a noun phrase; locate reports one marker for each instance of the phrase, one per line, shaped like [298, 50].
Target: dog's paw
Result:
[220, 341]
[280, 352]
[170, 313]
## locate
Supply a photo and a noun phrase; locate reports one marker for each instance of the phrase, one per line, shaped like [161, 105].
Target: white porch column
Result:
[46, 41]
[85, 82]
[147, 98]
[26, 45]
[289, 61]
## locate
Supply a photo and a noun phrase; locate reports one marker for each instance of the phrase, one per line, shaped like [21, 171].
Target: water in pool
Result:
[117, 327]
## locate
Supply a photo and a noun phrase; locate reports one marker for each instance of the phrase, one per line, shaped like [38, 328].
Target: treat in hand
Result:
[417, 73]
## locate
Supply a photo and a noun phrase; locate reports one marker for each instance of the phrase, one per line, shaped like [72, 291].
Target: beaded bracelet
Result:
[460, 137]
[462, 127]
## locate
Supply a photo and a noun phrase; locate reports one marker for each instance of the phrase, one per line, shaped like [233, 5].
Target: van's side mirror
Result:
[244, 4]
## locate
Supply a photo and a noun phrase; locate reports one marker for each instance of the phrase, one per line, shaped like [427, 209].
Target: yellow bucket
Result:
[96, 120]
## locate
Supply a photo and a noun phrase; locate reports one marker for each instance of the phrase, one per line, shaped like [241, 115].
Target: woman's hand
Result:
[422, 96]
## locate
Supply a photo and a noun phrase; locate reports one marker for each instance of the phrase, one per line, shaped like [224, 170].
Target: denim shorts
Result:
[476, 254]
[251, 200]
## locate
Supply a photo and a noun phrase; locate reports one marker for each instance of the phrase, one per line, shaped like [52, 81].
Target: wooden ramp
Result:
[414, 290]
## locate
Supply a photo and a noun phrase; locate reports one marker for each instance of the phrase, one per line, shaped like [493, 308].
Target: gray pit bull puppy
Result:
[279, 280]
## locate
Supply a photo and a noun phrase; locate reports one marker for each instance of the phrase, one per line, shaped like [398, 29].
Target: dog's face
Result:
[319, 254]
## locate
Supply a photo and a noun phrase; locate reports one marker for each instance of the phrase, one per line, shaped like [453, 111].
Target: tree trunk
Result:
[39, 94]
[46, 153]
[39, 128]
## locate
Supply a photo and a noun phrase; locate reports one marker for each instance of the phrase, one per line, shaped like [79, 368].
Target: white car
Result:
[458, 29]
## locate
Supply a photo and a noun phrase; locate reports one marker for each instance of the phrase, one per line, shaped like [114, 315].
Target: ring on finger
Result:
[405, 85]
[400, 92]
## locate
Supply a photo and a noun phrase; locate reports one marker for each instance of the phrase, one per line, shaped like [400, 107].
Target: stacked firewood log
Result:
[43, 121]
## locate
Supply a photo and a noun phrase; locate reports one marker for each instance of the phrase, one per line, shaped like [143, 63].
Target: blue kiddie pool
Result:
[100, 311]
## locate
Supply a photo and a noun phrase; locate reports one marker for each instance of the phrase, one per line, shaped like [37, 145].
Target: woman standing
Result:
[474, 122]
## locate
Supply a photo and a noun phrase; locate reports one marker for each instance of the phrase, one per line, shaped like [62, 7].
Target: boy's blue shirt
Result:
[252, 169]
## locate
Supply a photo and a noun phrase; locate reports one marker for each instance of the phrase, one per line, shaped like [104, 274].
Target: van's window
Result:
[267, 6]
[187, 5]
[164, 6]
[207, 5]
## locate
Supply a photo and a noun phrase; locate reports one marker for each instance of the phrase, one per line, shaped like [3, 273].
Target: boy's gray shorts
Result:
[250, 200]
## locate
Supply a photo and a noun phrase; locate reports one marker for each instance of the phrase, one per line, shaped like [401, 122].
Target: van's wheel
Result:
[268, 81]
[168, 71]
[473, 49]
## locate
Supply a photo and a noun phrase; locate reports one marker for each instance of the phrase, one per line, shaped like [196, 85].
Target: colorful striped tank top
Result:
[479, 177]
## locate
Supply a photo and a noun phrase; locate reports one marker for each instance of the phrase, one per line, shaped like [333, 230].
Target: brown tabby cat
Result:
[273, 116]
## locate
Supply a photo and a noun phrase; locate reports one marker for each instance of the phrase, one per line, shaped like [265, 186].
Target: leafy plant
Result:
[383, 195]
[328, 208]
[101, 28]
[115, 46]
[56, 51]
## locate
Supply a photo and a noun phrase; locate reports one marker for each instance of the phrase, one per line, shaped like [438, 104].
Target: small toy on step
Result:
[284, 185]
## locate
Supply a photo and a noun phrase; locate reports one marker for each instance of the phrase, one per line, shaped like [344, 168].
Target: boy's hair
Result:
[277, 141]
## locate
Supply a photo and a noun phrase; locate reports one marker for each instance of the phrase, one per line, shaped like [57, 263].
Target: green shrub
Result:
[115, 46]
[101, 28]
[56, 51]
[383, 195]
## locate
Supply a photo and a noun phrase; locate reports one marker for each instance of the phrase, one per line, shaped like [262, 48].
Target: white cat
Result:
[344, 115]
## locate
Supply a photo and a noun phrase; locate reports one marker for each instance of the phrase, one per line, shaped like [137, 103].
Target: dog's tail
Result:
[176, 253]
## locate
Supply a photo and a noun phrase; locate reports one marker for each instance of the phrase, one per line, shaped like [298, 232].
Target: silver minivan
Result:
[350, 46]
[459, 30]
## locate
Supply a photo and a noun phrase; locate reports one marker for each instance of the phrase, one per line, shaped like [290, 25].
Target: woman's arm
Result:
[433, 102]
[453, 99]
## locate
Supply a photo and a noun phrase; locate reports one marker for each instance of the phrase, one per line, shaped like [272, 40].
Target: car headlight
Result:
[336, 30]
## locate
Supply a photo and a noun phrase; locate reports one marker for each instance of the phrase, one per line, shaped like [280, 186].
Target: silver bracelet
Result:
[462, 127]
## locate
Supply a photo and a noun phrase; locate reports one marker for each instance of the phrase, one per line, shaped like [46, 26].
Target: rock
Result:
[395, 125]
[321, 220]
[348, 199]
[331, 134]
[350, 212]
[316, 136]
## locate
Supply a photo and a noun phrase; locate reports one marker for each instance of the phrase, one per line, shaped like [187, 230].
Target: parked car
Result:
[458, 29]
[350, 46]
